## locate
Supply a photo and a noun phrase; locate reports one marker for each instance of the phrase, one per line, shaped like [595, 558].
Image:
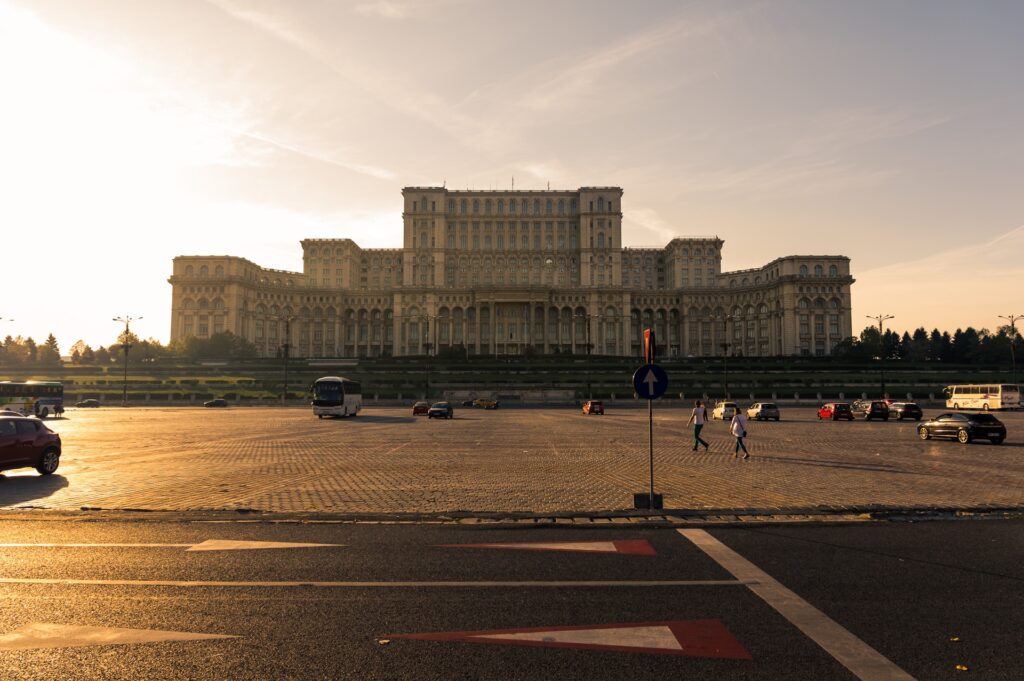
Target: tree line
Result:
[964, 346]
[19, 351]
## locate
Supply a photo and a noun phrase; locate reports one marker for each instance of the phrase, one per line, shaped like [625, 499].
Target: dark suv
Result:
[871, 409]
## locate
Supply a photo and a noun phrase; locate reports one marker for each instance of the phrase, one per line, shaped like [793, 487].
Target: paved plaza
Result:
[508, 460]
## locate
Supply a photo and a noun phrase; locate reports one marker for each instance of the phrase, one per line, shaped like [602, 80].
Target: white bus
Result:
[983, 396]
[336, 396]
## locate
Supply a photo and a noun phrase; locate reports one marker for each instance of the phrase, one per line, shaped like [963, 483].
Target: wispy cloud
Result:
[398, 10]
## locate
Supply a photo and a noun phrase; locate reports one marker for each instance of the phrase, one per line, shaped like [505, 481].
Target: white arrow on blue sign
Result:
[650, 381]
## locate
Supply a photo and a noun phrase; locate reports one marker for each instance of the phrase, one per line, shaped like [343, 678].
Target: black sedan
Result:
[219, 402]
[87, 404]
[964, 428]
[441, 410]
[905, 410]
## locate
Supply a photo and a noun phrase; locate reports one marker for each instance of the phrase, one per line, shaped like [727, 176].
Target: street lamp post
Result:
[881, 319]
[127, 319]
[725, 344]
[1012, 318]
[286, 349]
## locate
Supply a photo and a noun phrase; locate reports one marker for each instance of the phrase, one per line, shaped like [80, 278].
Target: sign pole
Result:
[650, 434]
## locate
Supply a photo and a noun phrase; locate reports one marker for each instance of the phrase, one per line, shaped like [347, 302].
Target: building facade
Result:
[514, 272]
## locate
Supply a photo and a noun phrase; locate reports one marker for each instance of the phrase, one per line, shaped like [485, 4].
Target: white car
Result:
[724, 410]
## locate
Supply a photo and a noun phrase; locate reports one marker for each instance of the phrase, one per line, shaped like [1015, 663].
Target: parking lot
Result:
[524, 460]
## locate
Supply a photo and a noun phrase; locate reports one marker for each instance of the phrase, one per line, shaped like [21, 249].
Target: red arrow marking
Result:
[693, 638]
[630, 547]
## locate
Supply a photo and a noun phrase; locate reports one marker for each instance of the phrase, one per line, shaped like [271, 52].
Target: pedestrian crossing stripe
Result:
[631, 547]
[689, 638]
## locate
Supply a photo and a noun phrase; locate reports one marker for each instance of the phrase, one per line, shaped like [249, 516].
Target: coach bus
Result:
[32, 398]
[983, 396]
[336, 396]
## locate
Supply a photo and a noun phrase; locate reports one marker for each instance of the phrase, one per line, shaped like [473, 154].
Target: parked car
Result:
[216, 403]
[8, 412]
[484, 403]
[905, 410]
[724, 410]
[87, 404]
[28, 443]
[441, 410]
[593, 407]
[871, 409]
[763, 411]
[964, 428]
[835, 411]
[420, 408]
[467, 403]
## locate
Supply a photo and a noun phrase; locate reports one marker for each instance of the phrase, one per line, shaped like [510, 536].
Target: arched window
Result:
[219, 272]
[818, 270]
[536, 206]
[561, 206]
[548, 207]
[423, 204]
[572, 206]
[512, 207]
[462, 206]
[487, 207]
[804, 304]
[476, 206]
[204, 271]
[600, 239]
[803, 270]
[522, 207]
[189, 271]
[501, 207]
[833, 271]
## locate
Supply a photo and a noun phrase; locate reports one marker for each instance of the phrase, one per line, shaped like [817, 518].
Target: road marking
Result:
[696, 638]
[231, 545]
[43, 635]
[864, 661]
[375, 585]
[632, 547]
[208, 545]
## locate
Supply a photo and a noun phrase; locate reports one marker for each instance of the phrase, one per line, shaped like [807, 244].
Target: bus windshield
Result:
[328, 391]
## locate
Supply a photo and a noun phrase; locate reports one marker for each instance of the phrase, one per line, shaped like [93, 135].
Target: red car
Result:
[593, 407]
[28, 443]
[420, 408]
[835, 411]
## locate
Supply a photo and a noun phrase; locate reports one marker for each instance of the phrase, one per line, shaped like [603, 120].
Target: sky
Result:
[132, 131]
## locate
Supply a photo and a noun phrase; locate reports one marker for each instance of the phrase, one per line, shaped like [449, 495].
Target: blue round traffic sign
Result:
[650, 381]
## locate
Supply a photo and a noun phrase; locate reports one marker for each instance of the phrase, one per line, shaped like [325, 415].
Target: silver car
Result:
[763, 411]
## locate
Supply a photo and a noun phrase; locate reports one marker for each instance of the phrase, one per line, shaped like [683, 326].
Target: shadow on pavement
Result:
[16, 491]
[376, 419]
[824, 463]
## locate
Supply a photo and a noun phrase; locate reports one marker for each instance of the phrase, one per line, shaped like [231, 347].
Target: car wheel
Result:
[44, 412]
[899, 418]
[320, 416]
[923, 433]
[997, 440]
[885, 418]
[49, 462]
[984, 407]
[963, 437]
[956, 406]
[918, 418]
[776, 419]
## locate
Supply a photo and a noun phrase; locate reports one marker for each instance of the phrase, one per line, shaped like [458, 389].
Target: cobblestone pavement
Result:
[527, 460]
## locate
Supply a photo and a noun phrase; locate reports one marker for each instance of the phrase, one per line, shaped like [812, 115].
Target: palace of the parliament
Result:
[512, 272]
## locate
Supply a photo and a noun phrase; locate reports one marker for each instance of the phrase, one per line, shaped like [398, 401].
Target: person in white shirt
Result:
[738, 426]
[698, 417]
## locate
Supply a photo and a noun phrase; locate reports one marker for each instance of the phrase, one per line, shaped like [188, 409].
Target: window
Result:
[476, 206]
[803, 270]
[833, 271]
[462, 206]
[818, 271]
[548, 207]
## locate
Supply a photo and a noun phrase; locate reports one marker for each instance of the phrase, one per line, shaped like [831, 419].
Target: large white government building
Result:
[516, 272]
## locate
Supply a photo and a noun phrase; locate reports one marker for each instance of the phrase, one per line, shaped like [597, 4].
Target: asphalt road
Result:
[902, 591]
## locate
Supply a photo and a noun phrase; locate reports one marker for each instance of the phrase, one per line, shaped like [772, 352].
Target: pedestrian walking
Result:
[738, 426]
[698, 417]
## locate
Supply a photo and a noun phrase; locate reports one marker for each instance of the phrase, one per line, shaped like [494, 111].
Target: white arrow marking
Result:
[651, 381]
[43, 635]
[657, 637]
[231, 545]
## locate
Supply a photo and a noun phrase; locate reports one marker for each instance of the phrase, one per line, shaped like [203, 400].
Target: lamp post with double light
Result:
[126, 344]
[1013, 318]
[881, 319]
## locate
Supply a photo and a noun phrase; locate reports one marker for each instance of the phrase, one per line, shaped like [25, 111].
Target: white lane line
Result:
[864, 661]
[375, 585]
[93, 546]
[208, 545]
[45, 635]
